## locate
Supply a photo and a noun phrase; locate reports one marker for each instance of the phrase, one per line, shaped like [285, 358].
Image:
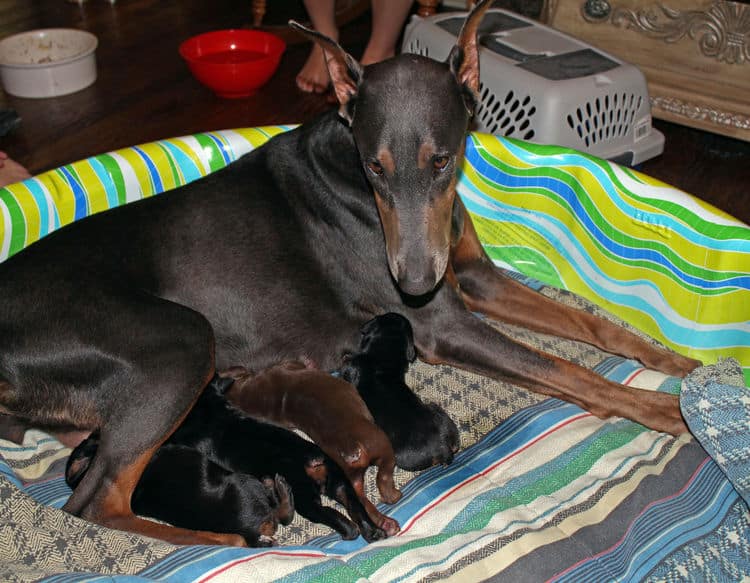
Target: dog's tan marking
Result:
[385, 157]
[426, 152]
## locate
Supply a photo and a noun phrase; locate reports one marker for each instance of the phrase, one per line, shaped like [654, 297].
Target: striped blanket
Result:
[541, 489]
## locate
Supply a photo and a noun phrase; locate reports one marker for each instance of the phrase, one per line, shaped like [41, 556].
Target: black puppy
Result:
[247, 445]
[183, 487]
[225, 436]
[422, 434]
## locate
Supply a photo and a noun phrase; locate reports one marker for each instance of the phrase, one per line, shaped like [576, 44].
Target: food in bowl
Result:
[234, 63]
[47, 62]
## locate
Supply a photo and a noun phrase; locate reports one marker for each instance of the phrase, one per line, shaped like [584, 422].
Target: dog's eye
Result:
[375, 167]
[440, 163]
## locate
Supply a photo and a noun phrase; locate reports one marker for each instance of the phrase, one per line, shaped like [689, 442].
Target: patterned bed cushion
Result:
[540, 491]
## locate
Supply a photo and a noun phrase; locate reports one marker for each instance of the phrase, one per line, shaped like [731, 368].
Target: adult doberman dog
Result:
[118, 321]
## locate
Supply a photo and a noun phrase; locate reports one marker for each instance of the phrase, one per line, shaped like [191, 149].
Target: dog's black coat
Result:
[422, 434]
[185, 488]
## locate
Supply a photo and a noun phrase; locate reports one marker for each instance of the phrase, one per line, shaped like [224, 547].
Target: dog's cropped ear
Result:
[345, 71]
[463, 59]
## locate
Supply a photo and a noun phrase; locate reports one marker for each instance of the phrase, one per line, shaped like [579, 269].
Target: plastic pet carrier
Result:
[541, 85]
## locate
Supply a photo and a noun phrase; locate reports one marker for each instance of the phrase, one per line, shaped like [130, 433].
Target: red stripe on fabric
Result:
[492, 467]
[633, 376]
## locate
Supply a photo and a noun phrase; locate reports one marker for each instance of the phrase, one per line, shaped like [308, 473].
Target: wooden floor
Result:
[144, 92]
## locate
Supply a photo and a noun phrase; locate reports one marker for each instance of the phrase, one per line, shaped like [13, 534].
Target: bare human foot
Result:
[313, 78]
[11, 171]
[375, 54]
[388, 17]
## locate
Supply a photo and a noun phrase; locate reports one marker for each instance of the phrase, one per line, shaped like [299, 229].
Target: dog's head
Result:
[409, 117]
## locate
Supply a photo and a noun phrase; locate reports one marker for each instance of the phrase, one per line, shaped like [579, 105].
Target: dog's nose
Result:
[416, 280]
[417, 268]
[416, 286]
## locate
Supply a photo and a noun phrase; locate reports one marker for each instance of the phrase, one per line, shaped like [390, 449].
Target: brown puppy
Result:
[331, 412]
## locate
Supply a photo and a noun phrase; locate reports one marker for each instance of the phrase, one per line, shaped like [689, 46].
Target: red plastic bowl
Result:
[233, 63]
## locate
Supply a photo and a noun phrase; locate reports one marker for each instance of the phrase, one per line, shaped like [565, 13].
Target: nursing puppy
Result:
[422, 434]
[183, 487]
[229, 437]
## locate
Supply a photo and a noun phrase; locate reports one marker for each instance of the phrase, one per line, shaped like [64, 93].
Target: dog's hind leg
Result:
[485, 289]
[159, 357]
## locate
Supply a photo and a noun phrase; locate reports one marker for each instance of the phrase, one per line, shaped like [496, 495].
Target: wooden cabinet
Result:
[695, 53]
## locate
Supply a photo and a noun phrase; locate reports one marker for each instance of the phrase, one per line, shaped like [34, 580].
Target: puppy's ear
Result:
[345, 71]
[463, 59]
[285, 496]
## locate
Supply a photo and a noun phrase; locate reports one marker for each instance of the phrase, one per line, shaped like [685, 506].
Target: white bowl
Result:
[47, 62]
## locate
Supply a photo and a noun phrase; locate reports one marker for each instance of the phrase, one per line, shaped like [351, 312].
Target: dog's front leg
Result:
[484, 288]
[445, 332]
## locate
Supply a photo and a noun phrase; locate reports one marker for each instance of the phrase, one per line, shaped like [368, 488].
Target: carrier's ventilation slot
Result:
[511, 115]
[416, 47]
[605, 118]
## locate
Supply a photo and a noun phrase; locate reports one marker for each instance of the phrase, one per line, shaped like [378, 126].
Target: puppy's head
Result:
[389, 336]
[265, 504]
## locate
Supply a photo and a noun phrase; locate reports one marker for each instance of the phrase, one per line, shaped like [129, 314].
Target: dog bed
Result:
[541, 489]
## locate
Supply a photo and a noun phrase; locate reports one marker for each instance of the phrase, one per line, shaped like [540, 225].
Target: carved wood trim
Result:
[722, 32]
[695, 54]
[697, 112]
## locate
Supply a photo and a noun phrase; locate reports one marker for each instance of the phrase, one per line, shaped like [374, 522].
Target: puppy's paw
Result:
[349, 531]
[317, 470]
[265, 541]
[390, 526]
[391, 496]
[372, 533]
[282, 494]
